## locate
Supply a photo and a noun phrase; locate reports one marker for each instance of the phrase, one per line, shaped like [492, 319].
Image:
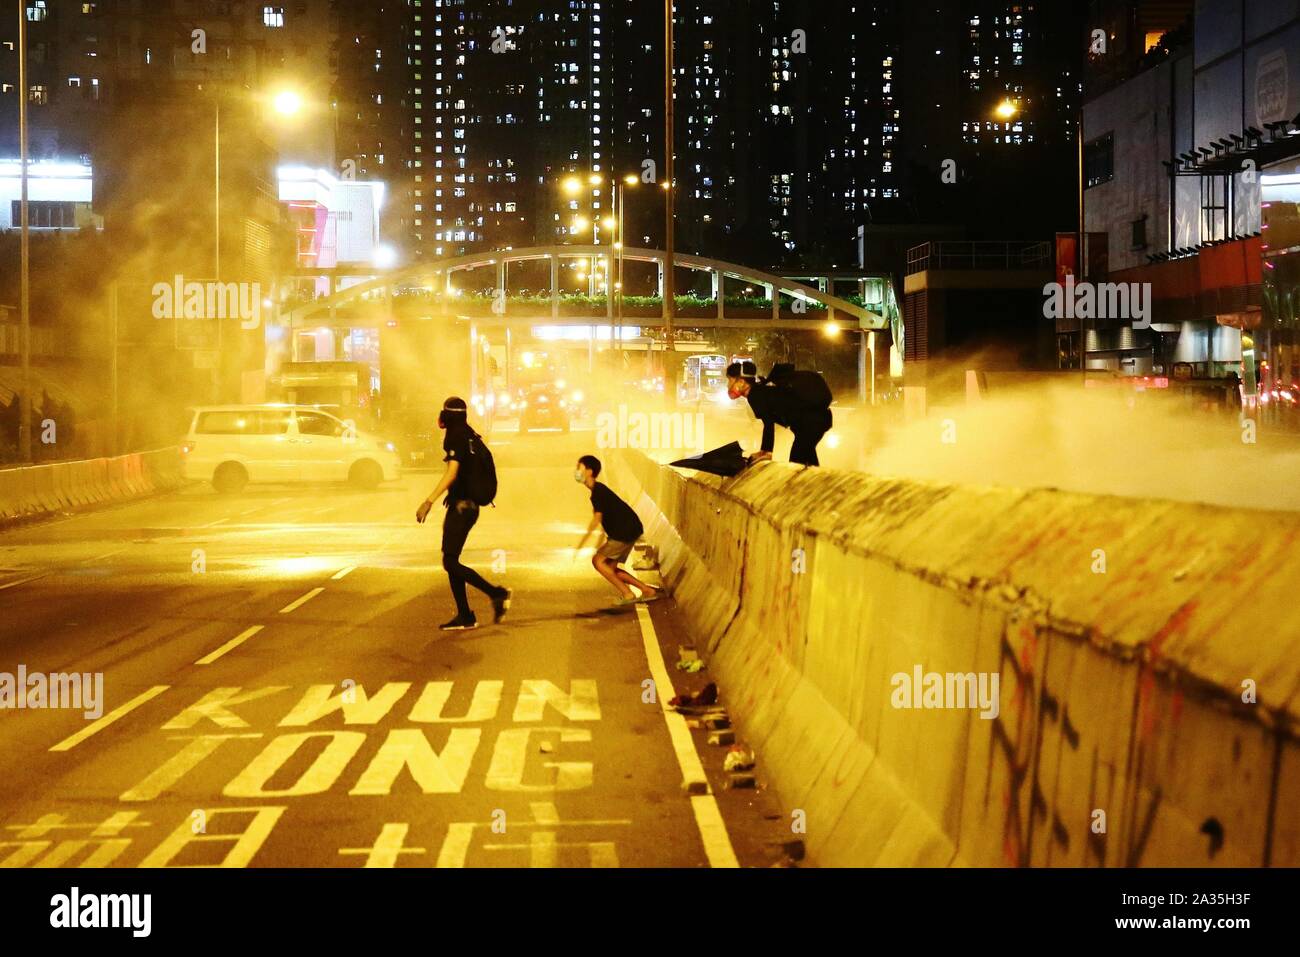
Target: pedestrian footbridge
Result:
[445, 288]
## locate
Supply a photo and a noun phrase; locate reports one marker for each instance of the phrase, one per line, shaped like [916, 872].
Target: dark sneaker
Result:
[460, 623]
[501, 604]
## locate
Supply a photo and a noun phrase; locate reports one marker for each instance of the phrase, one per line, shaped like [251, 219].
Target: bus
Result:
[704, 377]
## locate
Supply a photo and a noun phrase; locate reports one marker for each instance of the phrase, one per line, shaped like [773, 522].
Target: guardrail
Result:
[977, 254]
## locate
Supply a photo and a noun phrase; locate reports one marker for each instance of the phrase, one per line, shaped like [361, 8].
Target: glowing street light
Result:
[287, 103]
[1006, 109]
[572, 186]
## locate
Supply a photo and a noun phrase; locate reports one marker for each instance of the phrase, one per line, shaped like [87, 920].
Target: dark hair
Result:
[455, 413]
[591, 462]
[742, 370]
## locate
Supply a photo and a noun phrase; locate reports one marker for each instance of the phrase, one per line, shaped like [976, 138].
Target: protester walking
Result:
[470, 483]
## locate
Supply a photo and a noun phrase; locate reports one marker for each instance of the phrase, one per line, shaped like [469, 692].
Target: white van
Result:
[232, 445]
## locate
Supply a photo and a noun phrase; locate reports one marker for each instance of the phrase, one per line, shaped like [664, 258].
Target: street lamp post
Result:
[1078, 252]
[25, 331]
[216, 236]
[670, 302]
[1005, 111]
[620, 232]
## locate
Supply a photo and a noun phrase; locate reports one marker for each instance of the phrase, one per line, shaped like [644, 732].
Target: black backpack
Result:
[809, 388]
[480, 472]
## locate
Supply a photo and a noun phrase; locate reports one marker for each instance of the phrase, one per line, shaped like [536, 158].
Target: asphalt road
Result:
[276, 691]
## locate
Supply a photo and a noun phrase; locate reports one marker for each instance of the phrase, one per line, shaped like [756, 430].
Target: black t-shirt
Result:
[456, 445]
[616, 516]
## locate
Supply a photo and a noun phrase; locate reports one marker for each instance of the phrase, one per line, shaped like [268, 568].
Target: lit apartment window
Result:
[272, 16]
[37, 11]
[38, 94]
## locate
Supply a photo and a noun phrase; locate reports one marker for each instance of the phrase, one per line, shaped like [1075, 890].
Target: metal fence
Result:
[974, 254]
[45, 342]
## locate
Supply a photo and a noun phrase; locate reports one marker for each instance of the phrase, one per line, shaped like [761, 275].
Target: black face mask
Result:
[451, 420]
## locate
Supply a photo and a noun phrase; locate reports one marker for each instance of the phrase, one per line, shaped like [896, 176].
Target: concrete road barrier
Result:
[16, 493]
[1146, 654]
[37, 490]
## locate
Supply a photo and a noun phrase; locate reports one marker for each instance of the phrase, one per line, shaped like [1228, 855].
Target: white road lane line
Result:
[342, 573]
[100, 558]
[67, 744]
[217, 522]
[21, 581]
[713, 830]
[231, 645]
[301, 601]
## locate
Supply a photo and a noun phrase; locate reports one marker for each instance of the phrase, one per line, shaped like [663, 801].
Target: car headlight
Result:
[577, 397]
[390, 446]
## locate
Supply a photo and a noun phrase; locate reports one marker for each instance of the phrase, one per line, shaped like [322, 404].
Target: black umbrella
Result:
[727, 460]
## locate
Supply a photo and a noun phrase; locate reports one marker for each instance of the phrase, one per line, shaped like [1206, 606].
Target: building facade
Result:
[1192, 167]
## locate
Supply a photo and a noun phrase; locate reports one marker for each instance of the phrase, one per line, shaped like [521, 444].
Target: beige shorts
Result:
[616, 551]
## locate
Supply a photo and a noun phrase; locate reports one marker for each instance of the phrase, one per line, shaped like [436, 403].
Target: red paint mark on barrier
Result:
[1177, 624]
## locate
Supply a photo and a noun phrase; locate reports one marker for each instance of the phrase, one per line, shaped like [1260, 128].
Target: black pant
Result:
[808, 431]
[461, 517]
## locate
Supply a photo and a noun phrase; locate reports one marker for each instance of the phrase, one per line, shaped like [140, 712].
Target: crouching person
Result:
[622, 528]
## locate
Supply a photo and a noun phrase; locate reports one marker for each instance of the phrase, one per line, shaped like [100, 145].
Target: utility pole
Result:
[25, 397]
[670, 298]
[1083, 237]
[620, 238]
[216, 234]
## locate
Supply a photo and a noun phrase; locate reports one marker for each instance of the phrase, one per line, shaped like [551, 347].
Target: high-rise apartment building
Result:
[378, 49]
[507, 99]
[150, 97]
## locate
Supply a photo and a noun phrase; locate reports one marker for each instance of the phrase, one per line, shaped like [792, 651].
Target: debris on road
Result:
[707, 696]
[739, 758]
[689, 660]
[741, 779]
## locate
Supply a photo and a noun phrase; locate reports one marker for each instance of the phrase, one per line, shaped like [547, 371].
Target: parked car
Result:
[232, 445]
[418, 438]
[544, 407]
